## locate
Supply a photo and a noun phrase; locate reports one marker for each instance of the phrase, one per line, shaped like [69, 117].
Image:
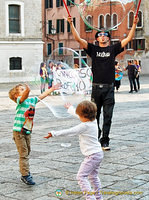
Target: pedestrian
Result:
[103, 58]
[90, 147]
[138, 67]
[23, 124]
[131, 76]
[43, 76]
[118, 75]
[50, 73]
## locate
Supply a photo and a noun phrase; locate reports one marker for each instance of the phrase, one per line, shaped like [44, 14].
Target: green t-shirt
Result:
[20, 110]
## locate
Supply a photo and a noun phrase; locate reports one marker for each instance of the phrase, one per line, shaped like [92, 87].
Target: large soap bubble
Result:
[107, 14]
[75, 77]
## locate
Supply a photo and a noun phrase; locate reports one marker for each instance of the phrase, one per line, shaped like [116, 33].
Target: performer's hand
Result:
[136, 20]
[69, 19]
[67, 105]
[48, 136]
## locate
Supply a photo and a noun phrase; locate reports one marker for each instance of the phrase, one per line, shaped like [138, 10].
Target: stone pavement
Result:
[124, 171]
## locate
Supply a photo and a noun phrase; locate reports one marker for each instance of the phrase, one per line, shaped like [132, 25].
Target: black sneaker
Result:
[105, 147]
[28, 180]
[130, 91]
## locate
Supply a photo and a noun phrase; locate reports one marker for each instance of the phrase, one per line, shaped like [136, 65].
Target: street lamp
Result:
[53, 30]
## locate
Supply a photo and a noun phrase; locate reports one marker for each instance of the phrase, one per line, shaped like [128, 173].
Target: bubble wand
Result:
[138, 9]
[66, 8]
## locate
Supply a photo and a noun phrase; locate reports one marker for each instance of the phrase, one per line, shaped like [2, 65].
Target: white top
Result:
[88, 136]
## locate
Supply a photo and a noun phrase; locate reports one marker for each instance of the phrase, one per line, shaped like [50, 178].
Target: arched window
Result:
[101, 22]
[130, 19]
[108, 21]
[140, 22]
[114, 20]
[89, 20]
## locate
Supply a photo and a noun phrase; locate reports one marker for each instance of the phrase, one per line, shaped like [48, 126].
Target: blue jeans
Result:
[89, 169]
[104, 97]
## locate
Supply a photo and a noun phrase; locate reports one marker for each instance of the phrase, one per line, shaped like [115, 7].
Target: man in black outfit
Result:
[103, 69]
[132, 76]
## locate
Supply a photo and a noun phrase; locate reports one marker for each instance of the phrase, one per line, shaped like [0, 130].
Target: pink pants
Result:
[89, 169]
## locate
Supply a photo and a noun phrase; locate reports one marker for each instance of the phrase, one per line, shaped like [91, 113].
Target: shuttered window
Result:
[14, 19]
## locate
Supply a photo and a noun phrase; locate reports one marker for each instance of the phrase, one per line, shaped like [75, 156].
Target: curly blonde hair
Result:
[13, 92]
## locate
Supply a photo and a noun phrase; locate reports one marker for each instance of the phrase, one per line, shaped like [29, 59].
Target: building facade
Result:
[21, 45]
[54, 13]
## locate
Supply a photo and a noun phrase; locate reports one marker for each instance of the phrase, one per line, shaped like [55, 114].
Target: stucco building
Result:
[21, 46]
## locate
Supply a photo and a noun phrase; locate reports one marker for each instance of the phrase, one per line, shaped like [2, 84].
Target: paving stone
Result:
[124, 168]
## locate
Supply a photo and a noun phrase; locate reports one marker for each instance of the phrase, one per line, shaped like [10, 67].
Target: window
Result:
[129, 46]
[108, 21]
[59, 3]
[89, 21]
[48, 3]
[60, 49]
[139, 44]
[49, 26]
[140, 22]
[80, 58]
[49, 49]
[114, 41]
[114, 20]
[68, 25]
[15, 63]
[60, 26]
[69, 3]
[14, 19]
[130, 19]
[101, 21]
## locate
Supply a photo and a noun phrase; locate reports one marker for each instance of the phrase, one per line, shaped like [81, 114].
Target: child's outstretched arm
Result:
[47, 92]
[48, 136]
[25, 93]
[71, 109]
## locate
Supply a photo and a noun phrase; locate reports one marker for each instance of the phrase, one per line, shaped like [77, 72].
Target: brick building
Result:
[53, 19]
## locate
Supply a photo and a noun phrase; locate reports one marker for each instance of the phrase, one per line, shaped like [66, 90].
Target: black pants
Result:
[104, 97]
[132, 83]
[138, 82]
[117, 84]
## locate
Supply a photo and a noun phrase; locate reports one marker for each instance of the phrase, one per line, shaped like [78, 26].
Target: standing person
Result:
[50, 74]
[23, 125]
[137, 65]
[132, 76]
[90, 147]
[43, 76]
[103, 58]
[118, 75]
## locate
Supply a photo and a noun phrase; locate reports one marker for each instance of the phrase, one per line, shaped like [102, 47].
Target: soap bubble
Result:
[107, 14]
[75, 77]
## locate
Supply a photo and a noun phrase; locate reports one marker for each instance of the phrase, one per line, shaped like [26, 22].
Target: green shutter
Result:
[49, 26]
[68, 27]
[68, 3]
[57, 26]
[62, 25]
[49, 49]
[60, 50]
[46, 4]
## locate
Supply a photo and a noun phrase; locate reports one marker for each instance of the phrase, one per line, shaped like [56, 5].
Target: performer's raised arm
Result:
[125, 41]
[76, 34]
